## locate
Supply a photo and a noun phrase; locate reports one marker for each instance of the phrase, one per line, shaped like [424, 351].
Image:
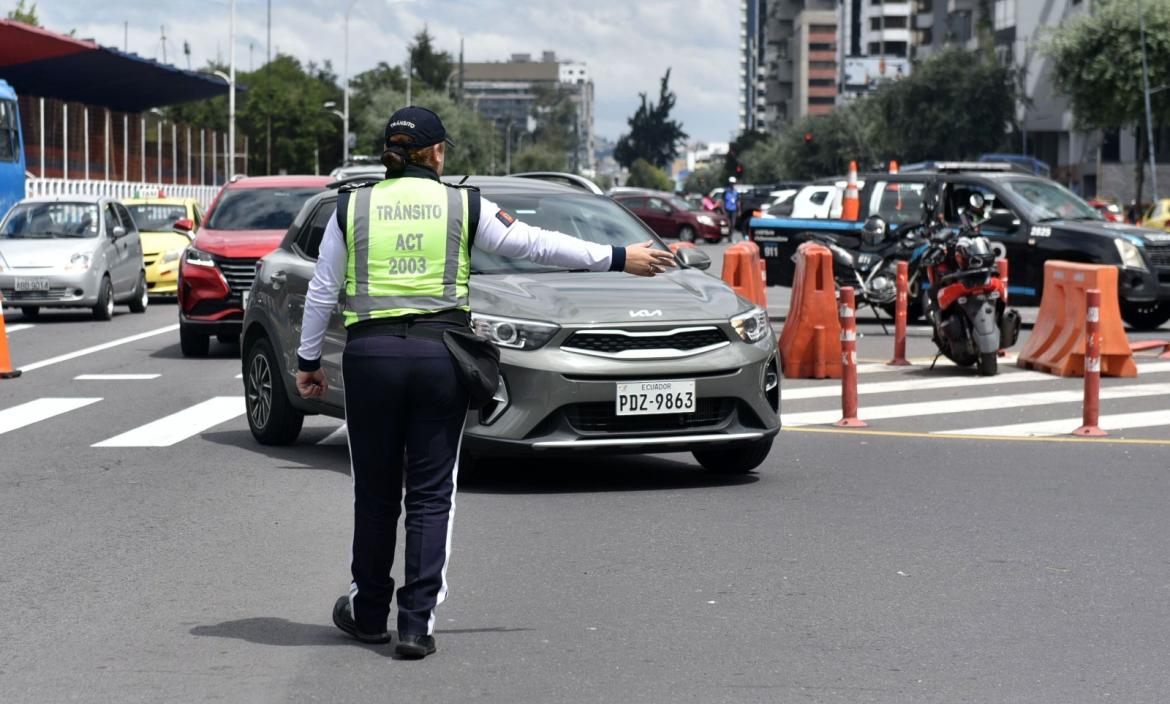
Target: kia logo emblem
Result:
[645, 313]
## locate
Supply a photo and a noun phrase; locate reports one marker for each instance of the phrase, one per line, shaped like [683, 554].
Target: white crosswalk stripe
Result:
[1064, 426]
[41, 409]
[17, 328]
[177, 427]
[337, 437]
[115, 377]
[978, 403]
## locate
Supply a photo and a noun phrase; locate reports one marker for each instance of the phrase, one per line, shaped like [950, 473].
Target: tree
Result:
[1097, 65]
[366, 83]
[555, 115]
[703, 180]
[653, 135]
[539, 157]
[25, 15]
[643, 174]
[431, 66]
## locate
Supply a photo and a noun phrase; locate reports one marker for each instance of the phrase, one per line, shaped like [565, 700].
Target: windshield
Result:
[682, 203]
[259, 208]
[156, 217]
[897, 203]
[1047, 200]
[590, 218]
[50, 220]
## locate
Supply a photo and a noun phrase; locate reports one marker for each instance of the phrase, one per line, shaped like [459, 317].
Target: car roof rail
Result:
[334, 185]
[954, 166]
[574, 180]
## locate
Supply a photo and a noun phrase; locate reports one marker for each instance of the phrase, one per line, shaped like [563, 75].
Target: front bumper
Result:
[1140, 285]
[564, 402]
[66, 289]
[162, 277]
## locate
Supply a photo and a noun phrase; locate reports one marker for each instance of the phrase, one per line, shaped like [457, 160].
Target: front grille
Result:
[1159, 254]
[667, 342]
[603, 418]
[239, 273]
[53, 294]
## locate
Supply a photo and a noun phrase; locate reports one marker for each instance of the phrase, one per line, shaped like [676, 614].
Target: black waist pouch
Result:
[478, 363]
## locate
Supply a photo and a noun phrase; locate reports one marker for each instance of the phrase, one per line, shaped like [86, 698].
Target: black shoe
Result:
[343, 619]
[412, 647]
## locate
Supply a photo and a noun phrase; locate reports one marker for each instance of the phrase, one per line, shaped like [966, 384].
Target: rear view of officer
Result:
[401, 249]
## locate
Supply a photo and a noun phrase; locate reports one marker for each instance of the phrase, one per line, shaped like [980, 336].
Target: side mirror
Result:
[118, 232]
[694, 259]
[1004, 220]
[183, 225]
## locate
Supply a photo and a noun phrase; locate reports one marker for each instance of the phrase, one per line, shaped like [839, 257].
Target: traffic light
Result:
[808, 137]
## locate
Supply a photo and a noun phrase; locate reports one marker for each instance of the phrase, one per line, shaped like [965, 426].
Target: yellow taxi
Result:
[1158, 215]
[166, 226]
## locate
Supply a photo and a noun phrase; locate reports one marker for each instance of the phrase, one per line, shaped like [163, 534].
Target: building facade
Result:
[507, 93]
[877, 44]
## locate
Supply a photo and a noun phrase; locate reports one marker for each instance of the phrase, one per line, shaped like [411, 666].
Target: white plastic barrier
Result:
[117, 189]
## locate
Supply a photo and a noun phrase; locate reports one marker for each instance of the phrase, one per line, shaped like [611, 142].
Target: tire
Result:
[1145, 316]
[988, 363]
[141, 298]
[104, 308]
[30, 311]
[271, 415]
[686, 233]
[737, 459]
[192, 342]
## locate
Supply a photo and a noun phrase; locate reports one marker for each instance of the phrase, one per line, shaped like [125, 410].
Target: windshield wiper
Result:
[1054, 218]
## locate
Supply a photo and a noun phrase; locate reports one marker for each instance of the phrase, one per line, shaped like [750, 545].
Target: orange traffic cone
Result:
[851, 204]
[6, 370]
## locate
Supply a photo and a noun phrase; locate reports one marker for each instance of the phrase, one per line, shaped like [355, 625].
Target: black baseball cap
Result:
[422, 126]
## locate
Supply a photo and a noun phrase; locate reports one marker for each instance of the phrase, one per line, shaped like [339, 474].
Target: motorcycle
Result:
[872, 267]
[965, 302]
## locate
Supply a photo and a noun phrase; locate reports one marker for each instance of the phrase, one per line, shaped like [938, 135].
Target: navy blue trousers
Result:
[405, 408]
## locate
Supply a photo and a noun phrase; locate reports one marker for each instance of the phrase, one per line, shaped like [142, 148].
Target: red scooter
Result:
[966, 302]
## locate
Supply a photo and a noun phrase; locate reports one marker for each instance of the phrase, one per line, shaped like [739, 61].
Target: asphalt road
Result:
[897, 565]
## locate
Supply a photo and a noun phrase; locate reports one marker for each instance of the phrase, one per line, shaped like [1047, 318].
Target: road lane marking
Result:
[17, 328]
[920, 383]
[1065, 426]
[337, 437]
[1000, 438]
[115, 377]
[177, 427]
[98, 348]
[38, 410]
[979, 403]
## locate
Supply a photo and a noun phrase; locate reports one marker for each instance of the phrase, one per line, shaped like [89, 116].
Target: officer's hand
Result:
[645, 260]
[312, 384]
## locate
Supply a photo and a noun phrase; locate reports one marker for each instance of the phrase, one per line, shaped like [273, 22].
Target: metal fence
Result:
[118, 189]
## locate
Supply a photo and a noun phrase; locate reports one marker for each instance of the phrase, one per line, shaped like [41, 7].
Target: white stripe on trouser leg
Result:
[442, 596]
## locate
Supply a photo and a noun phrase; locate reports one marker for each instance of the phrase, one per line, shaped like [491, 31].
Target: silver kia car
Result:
[590, 362]
[71, 251]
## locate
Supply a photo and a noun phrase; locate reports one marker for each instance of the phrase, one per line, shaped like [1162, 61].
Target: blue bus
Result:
[11, 150]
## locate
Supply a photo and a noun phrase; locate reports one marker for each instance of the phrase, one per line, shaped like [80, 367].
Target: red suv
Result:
[671, 216]
[247, 220]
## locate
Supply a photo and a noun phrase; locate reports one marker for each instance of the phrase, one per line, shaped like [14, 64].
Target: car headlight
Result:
[79, 261]
[1130, 255]
[753, 325]
[706, 220]
[514, 333]
[197, 257]
[172, 255]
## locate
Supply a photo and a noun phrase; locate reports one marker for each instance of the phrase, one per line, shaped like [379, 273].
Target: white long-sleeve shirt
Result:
[497, 233]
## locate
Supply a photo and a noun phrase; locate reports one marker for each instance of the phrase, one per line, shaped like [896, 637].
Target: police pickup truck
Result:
[1028, 219]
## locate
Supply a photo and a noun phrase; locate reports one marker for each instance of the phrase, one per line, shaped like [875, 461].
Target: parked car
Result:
[1109, 210]
[671, 216]
[1030, 220]
[69, 252]
[246, 221]
[572, 344]
[1157, 215]
[167, 226]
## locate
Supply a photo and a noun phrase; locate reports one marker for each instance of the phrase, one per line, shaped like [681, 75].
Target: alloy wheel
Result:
[109, 300]
[259, 390]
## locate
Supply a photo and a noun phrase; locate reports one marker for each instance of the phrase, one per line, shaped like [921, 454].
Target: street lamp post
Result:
[345, 90]
[330, 106]
[1149, 113]
[231, 81]
[158, 165]
[231, 170]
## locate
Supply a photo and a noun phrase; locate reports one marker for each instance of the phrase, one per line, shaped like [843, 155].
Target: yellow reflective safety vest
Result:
[408, 243]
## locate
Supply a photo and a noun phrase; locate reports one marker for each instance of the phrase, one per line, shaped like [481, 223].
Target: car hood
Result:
[1144, 235]
[605, 297]
[249, 244]
[156, 242]
[20, 253]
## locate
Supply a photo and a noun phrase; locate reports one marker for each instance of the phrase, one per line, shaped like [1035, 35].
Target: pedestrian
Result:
[731, 206]
[400, 248]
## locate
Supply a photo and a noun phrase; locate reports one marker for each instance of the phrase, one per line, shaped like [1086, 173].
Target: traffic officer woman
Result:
[401, 250]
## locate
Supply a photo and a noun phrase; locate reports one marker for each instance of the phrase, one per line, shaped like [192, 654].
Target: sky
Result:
[627, 44]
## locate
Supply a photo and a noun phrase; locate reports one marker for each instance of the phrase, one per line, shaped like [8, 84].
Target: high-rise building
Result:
[751, 64]
[876, 44]
[506, 93]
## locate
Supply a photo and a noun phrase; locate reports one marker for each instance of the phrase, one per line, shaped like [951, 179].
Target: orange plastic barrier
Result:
[761, 292]
[851, 203]
[6, 370]
[675, 246]
[1057, 342]
[810, 340]
[741, 270]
